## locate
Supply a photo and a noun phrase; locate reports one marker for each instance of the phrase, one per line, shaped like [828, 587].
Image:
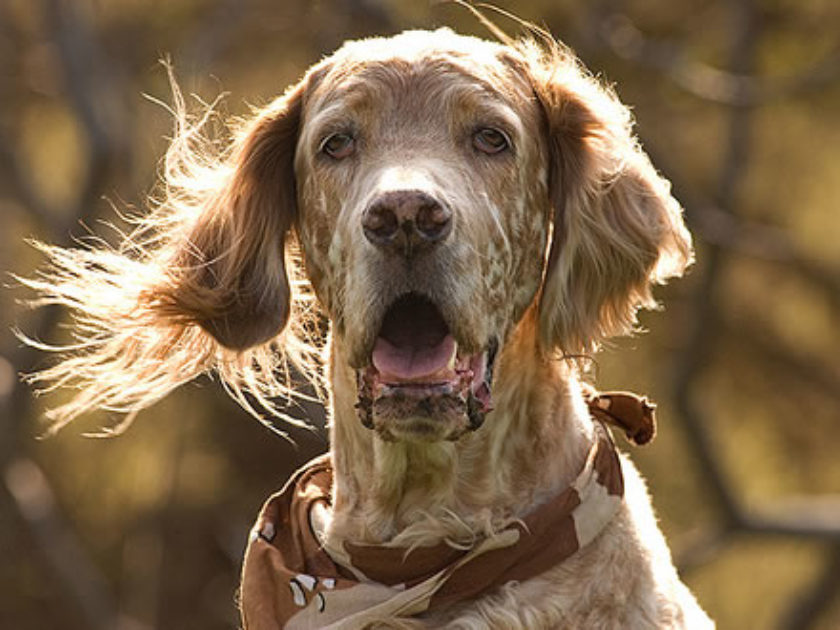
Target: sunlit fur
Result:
[617, 228]
[199, 286]
[554, 247]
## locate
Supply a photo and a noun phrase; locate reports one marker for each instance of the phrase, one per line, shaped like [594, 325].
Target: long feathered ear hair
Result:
[617, 230]
[209, 280]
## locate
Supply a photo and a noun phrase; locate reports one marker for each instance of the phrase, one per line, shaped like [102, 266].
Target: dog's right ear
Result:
[228, 271]
[204, 271]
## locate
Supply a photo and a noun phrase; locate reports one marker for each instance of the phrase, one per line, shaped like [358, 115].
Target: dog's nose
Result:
[406, 221]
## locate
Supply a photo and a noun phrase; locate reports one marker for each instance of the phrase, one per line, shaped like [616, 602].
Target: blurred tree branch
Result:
[723, 230]
[81, 60]
[92, 87]
[816, 597]
[733, 88]
[212, 35]
[725, 234]
[762, 344]
[78, 577]
[726, 230]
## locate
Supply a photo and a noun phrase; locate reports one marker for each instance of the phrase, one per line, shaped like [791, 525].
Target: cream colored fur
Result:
[555, 245]
[535, 444]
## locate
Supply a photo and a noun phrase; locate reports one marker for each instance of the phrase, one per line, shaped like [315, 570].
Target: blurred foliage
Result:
[148, 528]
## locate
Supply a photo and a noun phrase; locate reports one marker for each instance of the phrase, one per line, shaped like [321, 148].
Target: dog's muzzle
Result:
[418, 385]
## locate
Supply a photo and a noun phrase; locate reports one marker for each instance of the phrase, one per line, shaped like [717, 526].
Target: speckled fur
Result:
[554, 246]
[575, 167]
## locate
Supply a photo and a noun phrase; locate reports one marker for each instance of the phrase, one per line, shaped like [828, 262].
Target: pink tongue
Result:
[409, 363]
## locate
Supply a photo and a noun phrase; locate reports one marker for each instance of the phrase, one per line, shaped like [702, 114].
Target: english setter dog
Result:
[470, 217]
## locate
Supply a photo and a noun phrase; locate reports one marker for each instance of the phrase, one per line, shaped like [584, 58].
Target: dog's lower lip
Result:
[416, 389]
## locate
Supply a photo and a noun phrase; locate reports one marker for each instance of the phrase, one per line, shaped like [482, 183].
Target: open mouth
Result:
[418, 382]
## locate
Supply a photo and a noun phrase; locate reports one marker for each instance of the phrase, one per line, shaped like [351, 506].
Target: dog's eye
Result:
[339, 146]
[490, 141]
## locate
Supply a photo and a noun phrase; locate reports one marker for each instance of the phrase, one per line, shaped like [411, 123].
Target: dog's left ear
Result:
[617, 229]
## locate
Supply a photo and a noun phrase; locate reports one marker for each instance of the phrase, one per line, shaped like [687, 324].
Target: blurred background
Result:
[738, 103]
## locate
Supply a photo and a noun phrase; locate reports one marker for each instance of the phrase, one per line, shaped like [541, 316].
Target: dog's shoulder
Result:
[623, 579]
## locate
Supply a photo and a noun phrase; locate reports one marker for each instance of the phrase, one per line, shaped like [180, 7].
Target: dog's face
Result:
[422, 173]
[441, 187]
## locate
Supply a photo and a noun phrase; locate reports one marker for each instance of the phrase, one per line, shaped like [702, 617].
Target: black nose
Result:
[406, 221]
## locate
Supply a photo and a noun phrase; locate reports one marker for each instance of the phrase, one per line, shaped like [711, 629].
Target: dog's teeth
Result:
[453, 360]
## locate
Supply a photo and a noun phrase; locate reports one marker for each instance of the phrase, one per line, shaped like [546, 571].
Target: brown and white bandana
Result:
[290, 582]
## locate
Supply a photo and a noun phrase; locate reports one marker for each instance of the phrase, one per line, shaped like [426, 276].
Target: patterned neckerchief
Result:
[290, 582]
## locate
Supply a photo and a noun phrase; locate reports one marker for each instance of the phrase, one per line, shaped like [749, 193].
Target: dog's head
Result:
[441, 187]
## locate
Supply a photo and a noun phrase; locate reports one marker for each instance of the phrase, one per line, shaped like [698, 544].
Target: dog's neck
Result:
[530, 447]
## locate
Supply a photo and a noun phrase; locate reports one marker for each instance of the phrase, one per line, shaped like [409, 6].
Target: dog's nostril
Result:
[380, 224]
[406, 221]
[433, 221]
